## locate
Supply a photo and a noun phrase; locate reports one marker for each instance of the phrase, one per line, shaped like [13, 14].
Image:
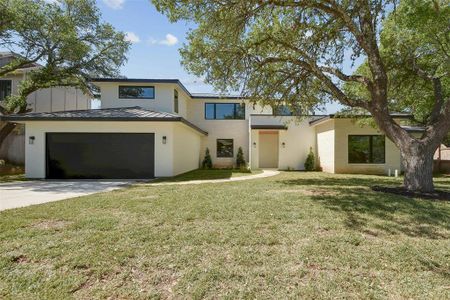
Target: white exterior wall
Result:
[164, 95]
[186, 149]
[298, 139]
[238, 130]
[344, 128]
[164, 153]
[325, 150]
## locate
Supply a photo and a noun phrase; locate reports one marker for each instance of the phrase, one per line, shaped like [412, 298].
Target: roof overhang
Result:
[51, 117]
[269, 127]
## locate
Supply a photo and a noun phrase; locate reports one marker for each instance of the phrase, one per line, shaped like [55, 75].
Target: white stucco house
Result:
[149, 128]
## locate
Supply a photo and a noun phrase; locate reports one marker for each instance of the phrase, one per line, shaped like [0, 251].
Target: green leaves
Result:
[66, 37]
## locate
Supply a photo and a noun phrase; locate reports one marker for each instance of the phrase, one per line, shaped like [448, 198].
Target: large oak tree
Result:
[66, 37]
[295, 50]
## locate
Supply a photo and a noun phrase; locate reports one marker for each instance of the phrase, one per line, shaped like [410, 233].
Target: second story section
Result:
[163, 95]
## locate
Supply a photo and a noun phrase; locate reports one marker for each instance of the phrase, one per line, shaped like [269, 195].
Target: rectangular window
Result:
[224, 148]
[5, 89]
[175, 101]
[366, 149]
[285, 110]
[224, 111]
[136, 92]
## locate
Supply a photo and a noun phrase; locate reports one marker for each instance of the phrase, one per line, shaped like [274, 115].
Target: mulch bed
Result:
[436, 195]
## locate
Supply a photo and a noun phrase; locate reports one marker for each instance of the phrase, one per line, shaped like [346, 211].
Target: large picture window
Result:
[136, 92]
[224, 111]
[366, 149]
[5, 89]
[224, 148]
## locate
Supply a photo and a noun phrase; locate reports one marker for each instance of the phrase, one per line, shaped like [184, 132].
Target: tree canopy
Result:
[295, 51]
[67, 37]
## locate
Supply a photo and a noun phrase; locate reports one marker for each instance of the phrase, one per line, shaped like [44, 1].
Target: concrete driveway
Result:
[25, 193]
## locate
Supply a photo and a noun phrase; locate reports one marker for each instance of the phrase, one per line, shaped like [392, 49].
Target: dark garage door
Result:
[100, 155]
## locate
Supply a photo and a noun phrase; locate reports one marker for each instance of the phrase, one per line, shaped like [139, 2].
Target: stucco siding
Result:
[326, 146]
[298, 139]
[186, 149]
[163, 96]
[35, 153]
[238, 130]
[346, 127]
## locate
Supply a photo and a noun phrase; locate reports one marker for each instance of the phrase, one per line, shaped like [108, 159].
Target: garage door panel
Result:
[100, 155]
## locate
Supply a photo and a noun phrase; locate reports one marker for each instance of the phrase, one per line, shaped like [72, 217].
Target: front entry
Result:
[100, 155]
[268, 149]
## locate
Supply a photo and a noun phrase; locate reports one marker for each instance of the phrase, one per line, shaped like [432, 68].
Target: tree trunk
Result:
[5, 131]
[418, 163]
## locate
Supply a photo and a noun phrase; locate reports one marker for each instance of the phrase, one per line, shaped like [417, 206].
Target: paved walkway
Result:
[25, 193]
[265, 173]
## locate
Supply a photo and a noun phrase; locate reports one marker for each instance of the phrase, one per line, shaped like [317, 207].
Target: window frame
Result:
[217, 148]
[176, 101]
[136, 86]
[10, 87]
[371, 162]
[215, 110]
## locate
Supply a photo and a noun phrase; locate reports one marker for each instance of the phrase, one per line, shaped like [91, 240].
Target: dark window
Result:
[366, 149]
[224, 111]
[285, 110]
[175, 101]
[5, 89]
[225, 148]
[136, 92]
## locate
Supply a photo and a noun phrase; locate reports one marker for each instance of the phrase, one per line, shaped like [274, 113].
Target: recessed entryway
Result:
[268, 149]
[100, 155]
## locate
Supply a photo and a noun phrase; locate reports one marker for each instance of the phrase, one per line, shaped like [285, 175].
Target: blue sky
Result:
[156, 41]
[154, 52]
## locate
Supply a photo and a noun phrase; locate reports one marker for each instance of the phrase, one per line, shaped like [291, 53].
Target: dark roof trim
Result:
[17, 118]
[172, 81]
[276, 127]
[337, 116]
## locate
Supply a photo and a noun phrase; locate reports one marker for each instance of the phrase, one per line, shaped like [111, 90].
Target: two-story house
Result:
[149, 128]
[44, 100]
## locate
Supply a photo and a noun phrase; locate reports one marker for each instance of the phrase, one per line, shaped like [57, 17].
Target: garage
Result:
[100, 155]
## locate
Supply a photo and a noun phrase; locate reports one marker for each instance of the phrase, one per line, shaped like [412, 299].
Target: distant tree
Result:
[294, 51]
[240, 160]
[310, 162]
[69, 40]
[207, 162]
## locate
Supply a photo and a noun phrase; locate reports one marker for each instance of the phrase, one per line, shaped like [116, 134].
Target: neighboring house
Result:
[44, 100]
[155, 127]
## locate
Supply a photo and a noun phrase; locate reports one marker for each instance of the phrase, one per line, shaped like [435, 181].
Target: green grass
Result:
[295, 235]
[208, 174]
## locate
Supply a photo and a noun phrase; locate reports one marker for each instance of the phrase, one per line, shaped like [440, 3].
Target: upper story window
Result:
[136, 92]
[284, 110]
[5, 89]
[224, 111]
[175, 101]
[366, 149]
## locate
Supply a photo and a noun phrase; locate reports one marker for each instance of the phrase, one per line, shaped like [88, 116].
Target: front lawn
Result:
[295, 235]
[201, 174]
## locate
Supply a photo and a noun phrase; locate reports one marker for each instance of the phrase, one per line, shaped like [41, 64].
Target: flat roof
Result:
[172, 81]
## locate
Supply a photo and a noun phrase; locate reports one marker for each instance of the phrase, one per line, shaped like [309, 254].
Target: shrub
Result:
[240, 160]
[207, 162]
[310, 161]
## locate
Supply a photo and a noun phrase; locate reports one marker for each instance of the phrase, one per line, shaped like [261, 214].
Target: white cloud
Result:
[114, 4]
[170, 40]
[132, 37]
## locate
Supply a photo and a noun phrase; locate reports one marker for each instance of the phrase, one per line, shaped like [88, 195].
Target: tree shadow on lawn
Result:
[370, 212]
